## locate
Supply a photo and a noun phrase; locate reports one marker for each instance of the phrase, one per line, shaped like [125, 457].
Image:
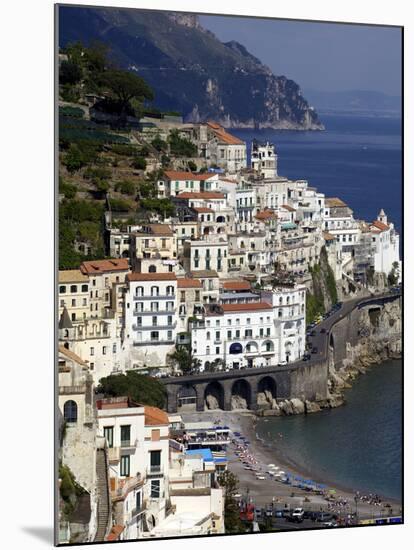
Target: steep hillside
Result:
[190, 70]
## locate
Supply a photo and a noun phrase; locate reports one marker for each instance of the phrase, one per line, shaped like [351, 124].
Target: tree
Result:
[183, 359]
[126, 187]
[230, 484]
[192, 166]
[139, 163]
[125, 86]
[139, 387]
[69, 73]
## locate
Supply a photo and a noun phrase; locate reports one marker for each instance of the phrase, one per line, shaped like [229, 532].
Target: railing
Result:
[154, 470]
[154, 342]
[157, 297]
[157, 312]
[65, 390]
[155, 327]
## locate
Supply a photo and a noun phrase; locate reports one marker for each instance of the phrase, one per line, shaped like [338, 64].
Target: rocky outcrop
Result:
[190, 70]
[212, 402]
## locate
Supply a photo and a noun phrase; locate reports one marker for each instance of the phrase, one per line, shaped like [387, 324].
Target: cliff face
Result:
[190, 70]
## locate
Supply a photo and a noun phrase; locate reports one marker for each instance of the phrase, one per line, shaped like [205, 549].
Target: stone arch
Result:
[268, 346]
[214, 396]
[187, 398]
[266, 392]
[220, 219]
[241, 394]
[251, 347]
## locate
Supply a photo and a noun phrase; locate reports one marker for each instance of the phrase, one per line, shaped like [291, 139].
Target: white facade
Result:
[385, 245]
[264, 159]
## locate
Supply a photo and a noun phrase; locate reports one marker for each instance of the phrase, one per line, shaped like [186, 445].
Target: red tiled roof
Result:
[186, 176]
[255, 306]
[266, 215]
[151, 277]
[202, 195]
[155, 416]
[380, 225]
[184, 282]
[328, 236]
[203, 210]
[288, 207]
[223, 135]
[236, 285]
[102, 266]
[123, 402]
[72, 356]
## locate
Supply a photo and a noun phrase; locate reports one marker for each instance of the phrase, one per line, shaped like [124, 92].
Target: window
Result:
[109, 435]
[154, 306]
[197, 295]
[152, 269]
[103, 350]
[93, 282]
[70, 412]
[208, 335]
[196, 263]
[125, 436]
[170, 320]
[91, 366]
[62, 289]
[138, 501]
[73, 303]
[155, 488]
[84, 302]
[154, 321]
[169, 335]
[248, 321]
[218, 351]
[229, 335]
[217, 335]
[182, 296]
[155, 336]
[114, 348]
[155, 461]
[229, 322]
[125, 467]
[73, 316]
[62, 303]
[155, 291]
[84, 288]
[237, 333]
[92, 351]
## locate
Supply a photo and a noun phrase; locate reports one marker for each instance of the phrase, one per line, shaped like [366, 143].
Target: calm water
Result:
[358, 445]
[356, 158]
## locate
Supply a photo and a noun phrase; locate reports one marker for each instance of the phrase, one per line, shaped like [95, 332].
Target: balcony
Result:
[128, 444]
[155, 327]
[157, 312]
[157, 297]
[159, 342]
[155, 470]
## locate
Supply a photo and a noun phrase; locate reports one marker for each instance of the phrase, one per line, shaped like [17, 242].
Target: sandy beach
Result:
[265, 491]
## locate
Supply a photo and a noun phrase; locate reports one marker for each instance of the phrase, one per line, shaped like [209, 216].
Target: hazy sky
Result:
[320, 56]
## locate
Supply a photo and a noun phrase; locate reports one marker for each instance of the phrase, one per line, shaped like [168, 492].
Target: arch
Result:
[268, 345]
[125, 254]
[266, 391]
[241, 394]
[235, 348]
[187, 397]
[214, 396]
[70, 411]
[152, 268]
[251, 347]
[220, 219]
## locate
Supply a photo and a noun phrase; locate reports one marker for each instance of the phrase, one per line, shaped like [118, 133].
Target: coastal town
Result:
[183, 309]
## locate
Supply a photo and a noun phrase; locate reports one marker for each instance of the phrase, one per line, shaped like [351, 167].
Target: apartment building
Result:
[209, 254]
[74, 294]
[264, 159]
[153, 241]
[189, 304]
[150, 318]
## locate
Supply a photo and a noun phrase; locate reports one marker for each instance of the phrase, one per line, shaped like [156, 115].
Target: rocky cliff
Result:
[190, 70]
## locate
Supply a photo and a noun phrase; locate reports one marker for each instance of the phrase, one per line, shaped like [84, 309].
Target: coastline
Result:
[263, 492]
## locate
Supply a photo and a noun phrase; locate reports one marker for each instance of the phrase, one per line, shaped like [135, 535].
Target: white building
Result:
[385, 244]
[264, 159]
[150, 318]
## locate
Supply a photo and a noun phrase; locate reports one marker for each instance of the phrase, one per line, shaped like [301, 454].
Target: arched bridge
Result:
[258, 387]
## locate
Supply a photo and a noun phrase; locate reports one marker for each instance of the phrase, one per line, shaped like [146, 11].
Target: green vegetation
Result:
[192, 166]
[329, 277]
[163, 207]
[67, 189]
[394, 274]
[69, 490]
[139, 163]
[124, 150]
[230, 484]
[120, 205]
[125, 86]
[159, 144]
[183, 359]
[126, 187]
[181, 147]
[142, 389]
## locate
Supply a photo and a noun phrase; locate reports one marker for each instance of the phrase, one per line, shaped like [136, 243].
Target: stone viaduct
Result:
[306, 380]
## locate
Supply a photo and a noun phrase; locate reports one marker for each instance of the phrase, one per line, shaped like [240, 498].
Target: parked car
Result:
[324, 517]
[297, 515]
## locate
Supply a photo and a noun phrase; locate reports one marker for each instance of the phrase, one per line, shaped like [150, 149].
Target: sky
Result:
[319, 56]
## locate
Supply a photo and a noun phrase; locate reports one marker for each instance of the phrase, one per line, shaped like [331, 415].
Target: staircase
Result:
[103, 495]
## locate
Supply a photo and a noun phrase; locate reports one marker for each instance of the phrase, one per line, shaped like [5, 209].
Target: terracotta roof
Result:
[236, 285]
[266, 215]
[155, 416]
[204, 273]
[185, 282]
[334, 201]
[160, 229]
[115, 532]
[203, 210]
[228, 180]
[288, 207]
[255, 306]
[72, 276]
[380, 225]
[151, 277]
[223, 135]
[201, 195]
[72, 356]
[103, 266]
[186, 176]
[328, 236]
[122, 402]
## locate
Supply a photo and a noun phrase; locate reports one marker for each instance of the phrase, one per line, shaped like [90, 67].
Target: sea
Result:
[357, 446]
[357, 158]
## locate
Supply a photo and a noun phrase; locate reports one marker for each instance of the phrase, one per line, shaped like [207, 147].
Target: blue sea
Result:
[357, 158]
[358, 445]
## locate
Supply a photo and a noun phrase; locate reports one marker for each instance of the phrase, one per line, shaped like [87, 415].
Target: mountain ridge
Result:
[190, 70]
